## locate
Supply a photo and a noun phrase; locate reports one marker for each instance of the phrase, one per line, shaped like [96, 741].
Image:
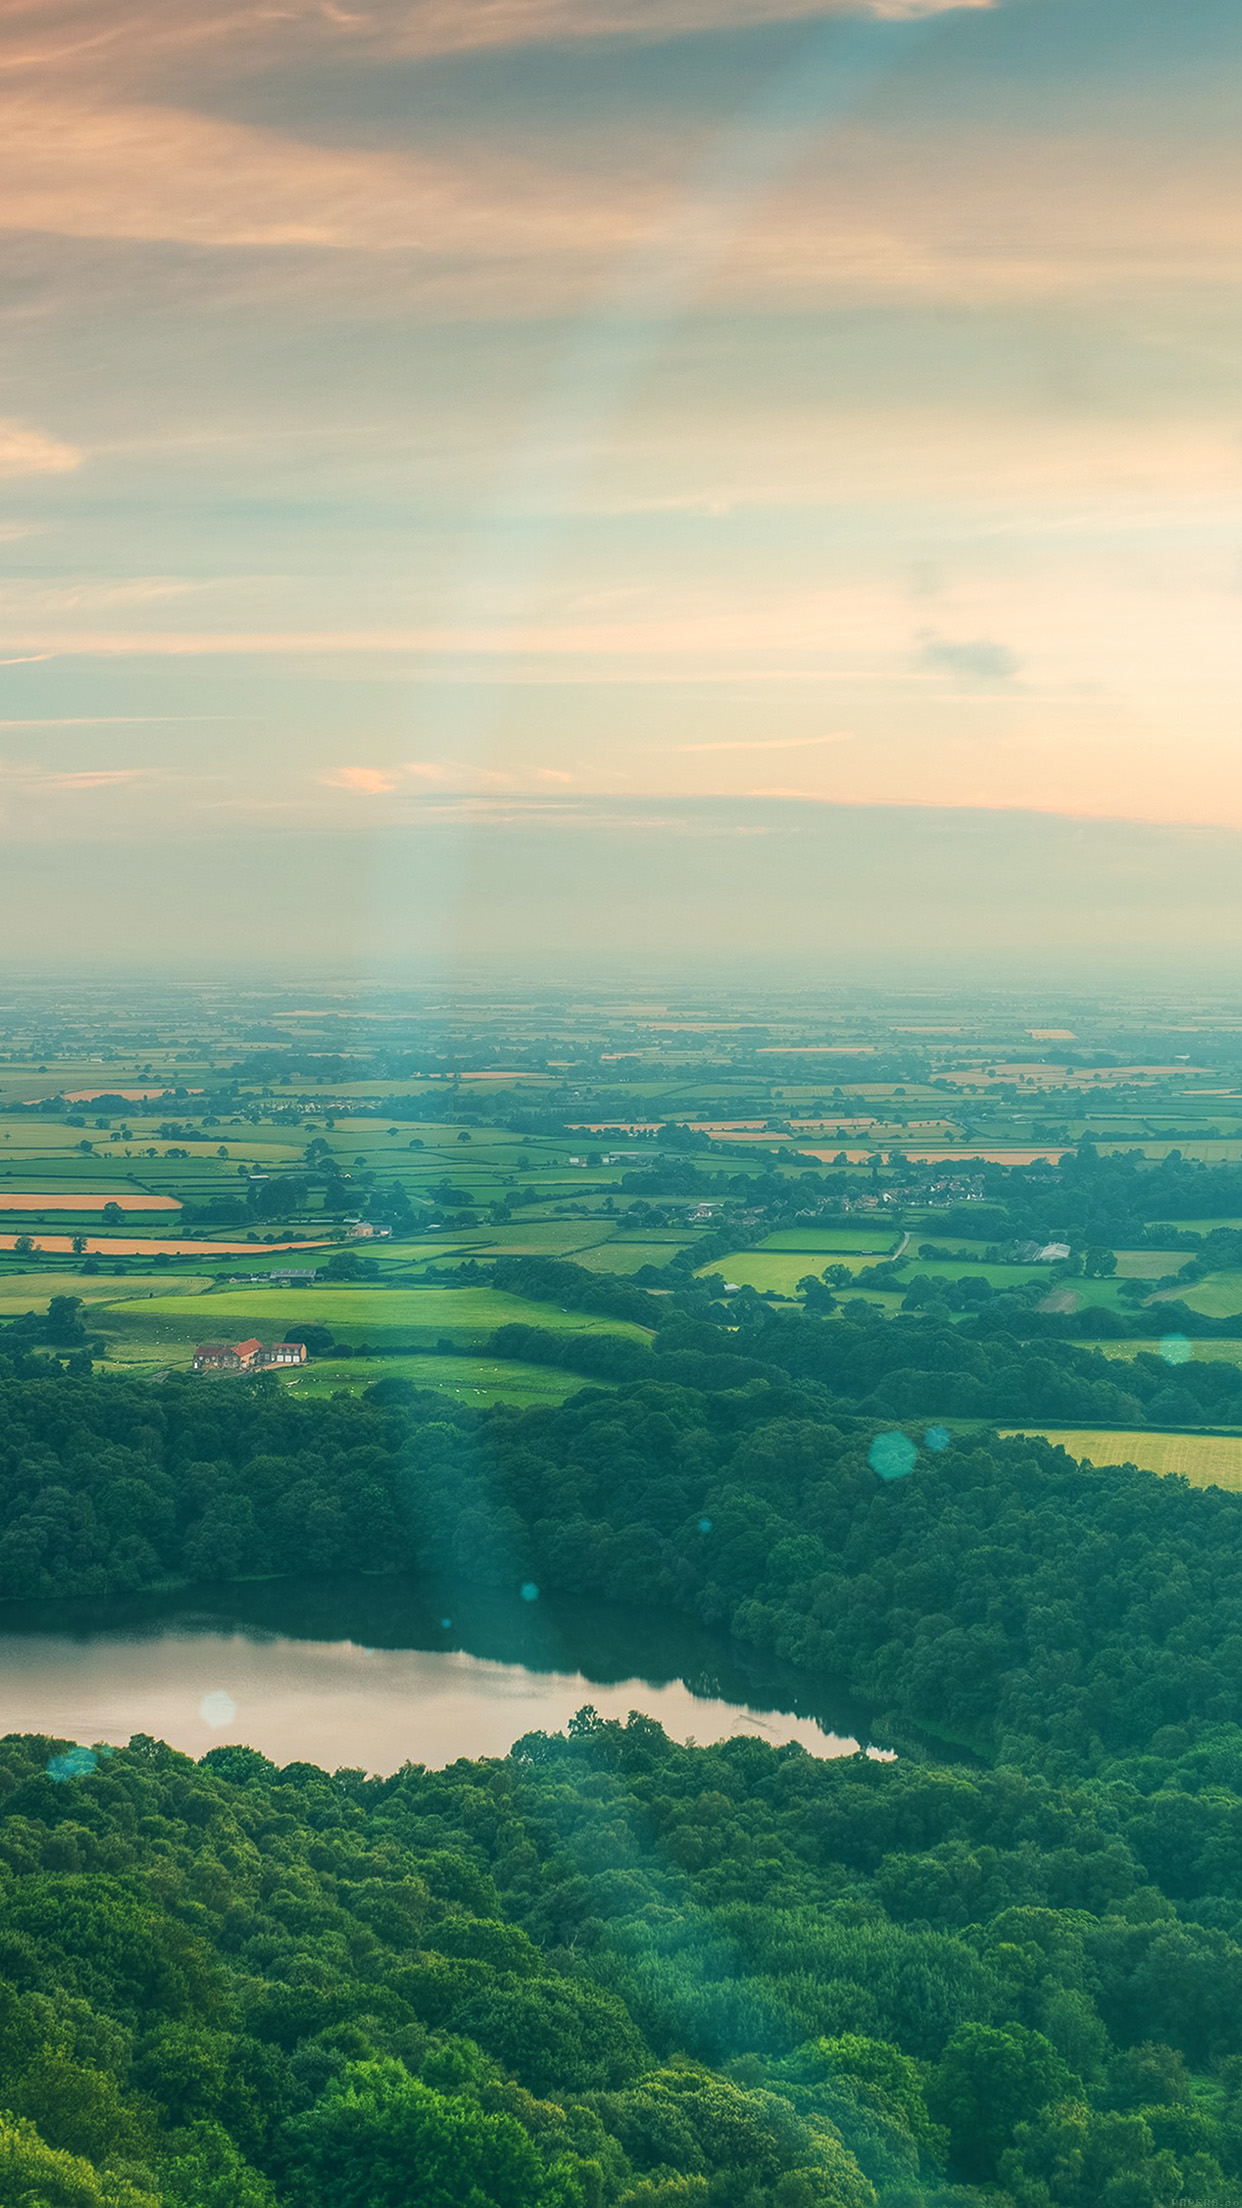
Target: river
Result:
[373, 1673]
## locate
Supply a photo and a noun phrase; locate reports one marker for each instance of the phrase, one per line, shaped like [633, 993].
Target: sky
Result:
[561, 479]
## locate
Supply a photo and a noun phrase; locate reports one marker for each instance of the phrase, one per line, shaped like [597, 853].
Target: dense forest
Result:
[608, 1969]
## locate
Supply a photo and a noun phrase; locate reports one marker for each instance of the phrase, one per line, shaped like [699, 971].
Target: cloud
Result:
[864, 213]
[140, 42]
[771, 743]
[26, 451]
[96, 778]
[985, 661]
[96, 170]
[32, 779]
[362, 781]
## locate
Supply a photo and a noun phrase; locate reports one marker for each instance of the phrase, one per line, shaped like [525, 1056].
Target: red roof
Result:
[247, 1349]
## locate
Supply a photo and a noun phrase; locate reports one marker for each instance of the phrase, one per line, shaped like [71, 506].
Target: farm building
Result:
[249, 1356]
[216, 1357]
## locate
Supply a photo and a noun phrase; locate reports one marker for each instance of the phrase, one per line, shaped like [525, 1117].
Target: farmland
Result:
[162, 1330]
[1205, 1460]
[475, 1380]
[390, 1145]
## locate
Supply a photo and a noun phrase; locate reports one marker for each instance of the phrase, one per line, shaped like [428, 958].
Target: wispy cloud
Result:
[771, 743]
[140, 42]
[99, 170]
[428, 776]
[25, 451]
[361, 781]
[33, 779]
[93, 778]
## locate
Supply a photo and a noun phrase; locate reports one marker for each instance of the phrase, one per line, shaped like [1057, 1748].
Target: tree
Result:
[381, 2139]
[64, 1328]
[989, 2080]
[79, 1244]
[556, 2034]
[1073, 2156]
[113, 1216]
[34, 2175]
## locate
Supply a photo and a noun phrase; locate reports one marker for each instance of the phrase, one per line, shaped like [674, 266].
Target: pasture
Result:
[480, 1381]
[829, 1240]
[1205, 1460]
[165, 1330]
[780, 1272]
[1217, 1297]
[1211, 1353]
[22, 1292]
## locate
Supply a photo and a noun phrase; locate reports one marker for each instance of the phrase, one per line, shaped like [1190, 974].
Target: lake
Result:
[377, 1672]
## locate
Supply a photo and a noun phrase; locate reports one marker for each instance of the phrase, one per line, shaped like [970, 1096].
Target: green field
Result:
[1217, 1297]
[627, 1257]
[22, 1292]
[1149, 1264]
[879, 1240]
[1212, 1353]
[1206, 1460]
[165, 1330]
[1199, 1226]
[476, 1380]
[781, 1273]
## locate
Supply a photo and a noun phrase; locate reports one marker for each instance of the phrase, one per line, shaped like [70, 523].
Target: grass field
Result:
[475, 1380]
[1200, 1226]
[1217, 1297]
[779, 1271]
[1206, 1460]
[22, 1292]
[850, 1241]
[165, 1330]
[626, 1257]
[1212, 1353]
[1149, 1264]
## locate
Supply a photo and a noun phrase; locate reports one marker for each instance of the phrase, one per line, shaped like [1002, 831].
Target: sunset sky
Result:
[667, 448]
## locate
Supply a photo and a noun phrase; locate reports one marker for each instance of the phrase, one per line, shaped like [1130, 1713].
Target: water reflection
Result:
[373, 1672]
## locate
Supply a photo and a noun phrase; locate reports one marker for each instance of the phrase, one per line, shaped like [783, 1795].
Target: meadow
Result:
[166, 1329]
[779, 1273]
[477, 1380]
[829, 1240]
[1201, 1352]
[1205, 1460]
[1217, 1297]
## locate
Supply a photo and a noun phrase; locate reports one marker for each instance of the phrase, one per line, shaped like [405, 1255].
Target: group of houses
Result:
[250, 1356]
